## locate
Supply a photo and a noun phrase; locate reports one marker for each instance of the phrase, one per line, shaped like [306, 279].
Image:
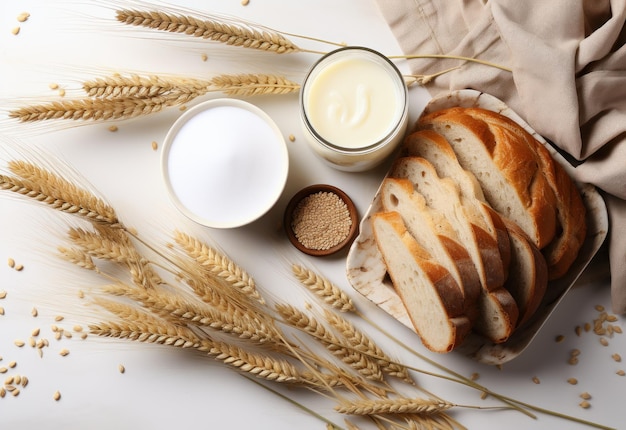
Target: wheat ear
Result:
[324, 289]
[218, 264]
[393, 406]
[234, 34]
[44, 186]
[365, 345]
[178, 310]
[119, 86]
[249, 84]
[99, 109]
[357, 361]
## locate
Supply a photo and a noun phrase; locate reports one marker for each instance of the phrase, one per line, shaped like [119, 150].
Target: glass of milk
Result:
[354, 108]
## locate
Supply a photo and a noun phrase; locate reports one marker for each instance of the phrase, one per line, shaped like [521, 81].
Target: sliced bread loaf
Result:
[432, 298]
[497, 309]
[435, 148]
[508, 172]
[435, 235]
[561, 252]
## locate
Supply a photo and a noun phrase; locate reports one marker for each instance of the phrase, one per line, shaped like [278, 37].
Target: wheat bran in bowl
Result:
[321, 220]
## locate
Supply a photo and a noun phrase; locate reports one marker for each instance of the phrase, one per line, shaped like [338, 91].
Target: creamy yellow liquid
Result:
[353, 102]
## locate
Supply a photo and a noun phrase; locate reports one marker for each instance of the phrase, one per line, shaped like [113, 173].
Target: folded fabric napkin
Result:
[567, 79]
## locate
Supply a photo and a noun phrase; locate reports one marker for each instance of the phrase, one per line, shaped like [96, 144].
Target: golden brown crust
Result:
[561, 252]
[518, 164]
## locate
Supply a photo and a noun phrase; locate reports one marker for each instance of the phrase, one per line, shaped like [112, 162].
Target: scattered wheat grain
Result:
[25, 381]
[15, 392]
[17, 380]
[19, 267]
[11, 262]
[204, 57]
[573, 361]
[58, 335]
[572, 381]
[245, 2]
[3, 392]
[64, 352]
[34, 312]
[599, 308]
[585, 396]
[56, 396]
[578, 330]
[67, 334]
[113, 128]
[9, 380]
[474, 376]
[3, 370]
[59, 318]
[1, 310]
[155, 145]
[536, 380]
[121, 368]
[83, 336]
[78, 328]
[585, 404]
[35, 332]
[53, 86]
[19, 343]
[12, 364]
[604, 341]
[32, 342]
[560, 338]
[587, 327]
[15, 31]
[3, 294]
[23, 17]
[620, 372]
[617, 329]
[292, 138]
[616, 357]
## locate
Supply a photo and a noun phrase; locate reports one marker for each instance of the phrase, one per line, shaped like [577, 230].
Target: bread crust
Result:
[517, 164]
[562, 251]
[446, 307]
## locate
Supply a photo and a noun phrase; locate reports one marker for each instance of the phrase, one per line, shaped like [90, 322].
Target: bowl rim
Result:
[188, 115]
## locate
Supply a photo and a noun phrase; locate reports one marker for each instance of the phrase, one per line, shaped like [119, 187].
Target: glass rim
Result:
[395, 72]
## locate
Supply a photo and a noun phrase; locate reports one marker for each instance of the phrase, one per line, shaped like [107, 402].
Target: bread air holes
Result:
[393, 199]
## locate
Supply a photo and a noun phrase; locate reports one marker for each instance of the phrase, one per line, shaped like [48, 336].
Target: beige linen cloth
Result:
[568, 80]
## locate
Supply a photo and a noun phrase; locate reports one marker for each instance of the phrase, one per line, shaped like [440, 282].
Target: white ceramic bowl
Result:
[224, 163]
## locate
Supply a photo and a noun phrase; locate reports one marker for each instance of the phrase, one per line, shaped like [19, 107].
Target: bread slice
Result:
[571, 232]
[430, 294]
[508, 172]
[433, 233]
[442, 195]
[498, 311]
[435, 148]
[528, 278]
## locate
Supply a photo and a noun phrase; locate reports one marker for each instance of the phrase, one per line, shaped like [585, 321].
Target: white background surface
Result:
[165, 388]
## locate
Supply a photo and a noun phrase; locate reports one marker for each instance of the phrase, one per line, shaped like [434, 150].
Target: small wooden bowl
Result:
[307, 191]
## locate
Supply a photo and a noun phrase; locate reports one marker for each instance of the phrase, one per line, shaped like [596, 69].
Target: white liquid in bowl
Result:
[225, 163]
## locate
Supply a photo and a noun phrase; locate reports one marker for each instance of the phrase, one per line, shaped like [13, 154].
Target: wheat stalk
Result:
[393, 406]
[119, 86]
[366, 345]
[179, 310]
[72, 199]
[359, 362]
[249, 84]
[323, 288]
[234, 34]
[78, 257]
[218, 264]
